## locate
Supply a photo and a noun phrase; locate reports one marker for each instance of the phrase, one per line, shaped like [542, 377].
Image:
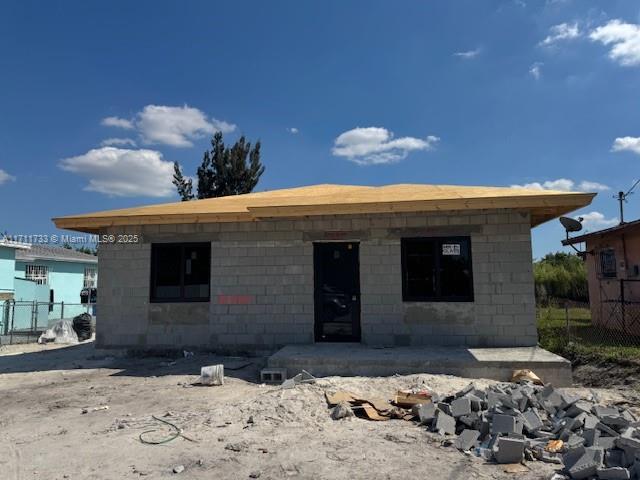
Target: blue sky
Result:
[359, 92]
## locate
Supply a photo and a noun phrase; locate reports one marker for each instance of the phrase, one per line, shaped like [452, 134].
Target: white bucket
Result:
[212, 375]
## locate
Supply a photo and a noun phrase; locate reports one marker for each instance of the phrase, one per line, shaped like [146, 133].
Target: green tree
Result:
[87, 250]
[224, 170]
[183, 185]
[560, 275]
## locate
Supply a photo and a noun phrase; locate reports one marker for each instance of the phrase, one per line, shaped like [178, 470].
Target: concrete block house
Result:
[397, 265]
[613, 272]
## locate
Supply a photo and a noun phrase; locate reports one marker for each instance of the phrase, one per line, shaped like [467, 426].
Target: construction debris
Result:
[407, 398]
[302, 377]
[341, 410]
[60, 332]
[212, 375]
[511, 422]
[521, 375]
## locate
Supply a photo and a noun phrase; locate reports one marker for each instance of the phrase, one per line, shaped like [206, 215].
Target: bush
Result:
[560, 275]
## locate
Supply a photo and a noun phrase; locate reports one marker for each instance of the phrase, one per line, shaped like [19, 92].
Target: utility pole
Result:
[622, 197]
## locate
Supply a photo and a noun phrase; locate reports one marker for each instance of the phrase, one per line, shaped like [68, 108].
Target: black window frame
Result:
[181, 298]
[607, 258]
[437, 246]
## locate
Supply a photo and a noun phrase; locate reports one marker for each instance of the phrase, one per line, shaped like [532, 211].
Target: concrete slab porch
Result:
[353, 359]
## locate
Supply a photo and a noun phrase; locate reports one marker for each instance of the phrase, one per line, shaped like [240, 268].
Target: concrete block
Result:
[467, 439]
[273, 375]
[468, 389]
[587, 465]
[606, 429]
[580, 406]
[503, 424]
[606, 442]
[615, 458]
[472, 420]
[426, 412]
[591, 437]
[628, 442]
[445, 424]
[460, 407]
[613, 473]
[509, 450]
[602, 411]
[571, 456]
[531, 420]
[476, 402]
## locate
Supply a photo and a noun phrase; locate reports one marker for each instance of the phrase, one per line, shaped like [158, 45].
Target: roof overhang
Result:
[313, 201]
[16, 245]
[44, 258]
[599, 233]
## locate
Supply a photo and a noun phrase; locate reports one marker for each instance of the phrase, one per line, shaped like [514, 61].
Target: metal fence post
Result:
[61, 310]
[566, 315]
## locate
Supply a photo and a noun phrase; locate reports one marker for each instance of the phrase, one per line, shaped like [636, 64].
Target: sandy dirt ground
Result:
[239, 430]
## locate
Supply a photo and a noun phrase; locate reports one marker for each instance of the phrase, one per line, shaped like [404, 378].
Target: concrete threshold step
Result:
[352, 359]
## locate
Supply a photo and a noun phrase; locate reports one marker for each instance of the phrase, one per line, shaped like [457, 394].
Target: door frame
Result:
[317, 308]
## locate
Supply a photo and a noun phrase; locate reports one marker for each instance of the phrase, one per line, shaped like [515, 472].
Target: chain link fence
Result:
[21, 321]
[612, 330]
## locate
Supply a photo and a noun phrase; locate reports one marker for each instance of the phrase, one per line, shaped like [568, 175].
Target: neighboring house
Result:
[613, 269]
[8, 267]
[394, 265]
[63, 271]
[22, 317]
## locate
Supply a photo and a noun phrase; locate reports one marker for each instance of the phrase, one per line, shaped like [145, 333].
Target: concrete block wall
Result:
[262, 284]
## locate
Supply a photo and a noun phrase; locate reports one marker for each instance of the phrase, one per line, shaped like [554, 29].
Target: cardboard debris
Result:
[407, 398]
[380, 404]
[340, 396]
[520, 375]
[554, 446]
[370, 412]
[515, 468]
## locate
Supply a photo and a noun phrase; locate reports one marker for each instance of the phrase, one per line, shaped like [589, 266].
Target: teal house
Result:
[8, 251]
[39, 283]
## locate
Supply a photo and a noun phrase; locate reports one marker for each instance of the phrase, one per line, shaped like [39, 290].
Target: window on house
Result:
[608, 263]
[180, 272]
[90, 277]
[437, 269]
[38, 274]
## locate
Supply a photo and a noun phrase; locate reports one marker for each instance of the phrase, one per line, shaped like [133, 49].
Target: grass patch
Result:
[582, 342]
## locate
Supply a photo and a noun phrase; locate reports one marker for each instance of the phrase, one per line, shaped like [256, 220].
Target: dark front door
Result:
[337, 292]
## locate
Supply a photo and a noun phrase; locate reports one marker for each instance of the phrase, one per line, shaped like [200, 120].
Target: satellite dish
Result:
[570, 224]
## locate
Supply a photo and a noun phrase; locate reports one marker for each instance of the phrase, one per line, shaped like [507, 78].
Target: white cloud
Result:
[177, 126]
[123, 172]
[587, 186]
[565, 185]
[468, 54]
[118, 142]
[5, 177]
[597, 220]
[376, 145]
[624, 39]
[536, 70]
[293, 130]
[562, 31]
[117, 122]
[630, 144]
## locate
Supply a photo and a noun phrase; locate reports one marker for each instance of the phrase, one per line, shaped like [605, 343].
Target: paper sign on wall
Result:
[450, 249]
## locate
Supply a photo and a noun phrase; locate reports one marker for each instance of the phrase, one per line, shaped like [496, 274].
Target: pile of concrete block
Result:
[508, 423]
